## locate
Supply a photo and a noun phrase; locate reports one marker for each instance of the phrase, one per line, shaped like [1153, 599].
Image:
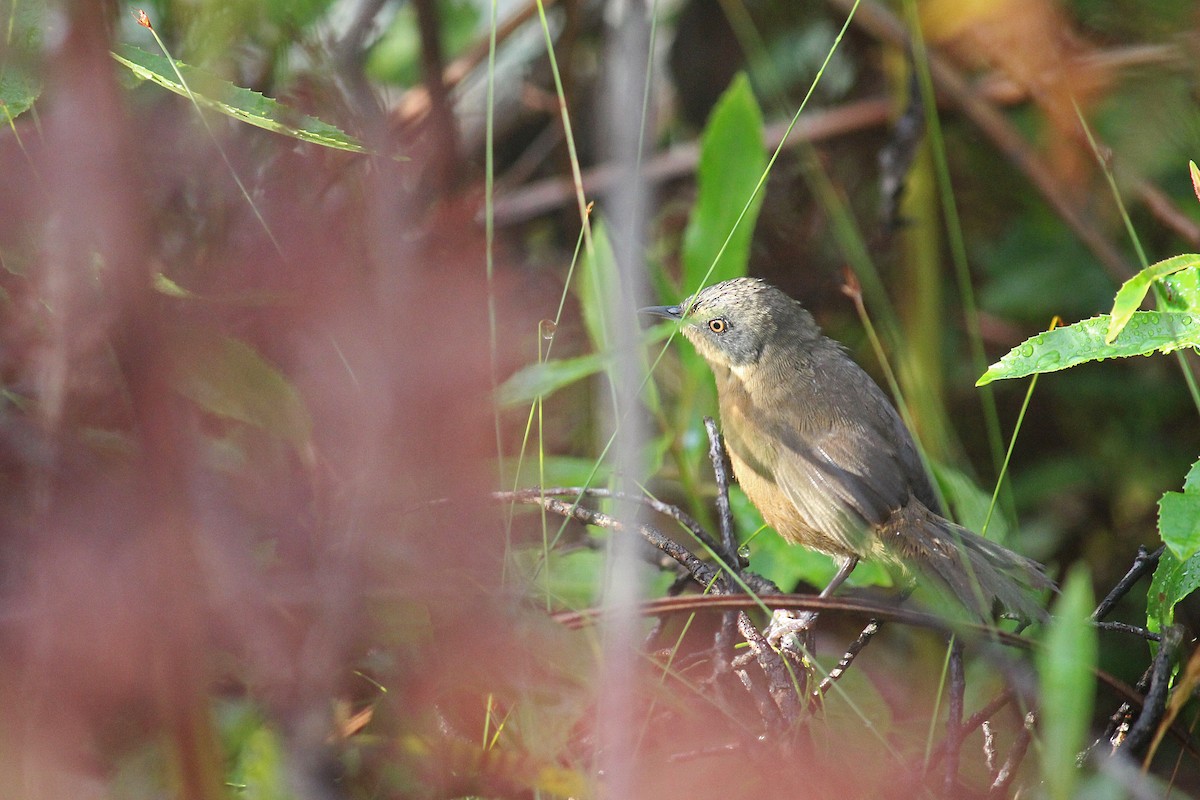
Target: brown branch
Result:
[519, 205]
[780, 681]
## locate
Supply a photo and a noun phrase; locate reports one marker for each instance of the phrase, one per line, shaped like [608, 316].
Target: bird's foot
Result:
[791, 631]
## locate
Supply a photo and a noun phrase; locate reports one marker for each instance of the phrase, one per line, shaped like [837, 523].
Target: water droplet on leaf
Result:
[1048, 359]
[547, 328]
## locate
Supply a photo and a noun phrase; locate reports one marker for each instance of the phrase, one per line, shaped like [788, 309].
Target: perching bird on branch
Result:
[824, 456]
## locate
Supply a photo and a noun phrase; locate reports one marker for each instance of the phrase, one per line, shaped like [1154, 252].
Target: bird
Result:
[824, 456]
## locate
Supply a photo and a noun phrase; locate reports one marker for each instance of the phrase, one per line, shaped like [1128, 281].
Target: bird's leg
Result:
[785, 621]
[846, 566]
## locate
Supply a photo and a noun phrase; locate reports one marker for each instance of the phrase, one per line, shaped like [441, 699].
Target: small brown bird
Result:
[824, 456]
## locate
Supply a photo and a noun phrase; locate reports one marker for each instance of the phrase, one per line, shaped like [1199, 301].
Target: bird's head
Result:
[732, 323]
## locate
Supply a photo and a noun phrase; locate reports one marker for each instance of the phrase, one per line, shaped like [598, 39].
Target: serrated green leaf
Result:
[235, 101]
[1173, 580]
[1179, 517]
[1191, 483]
[1066, 665]
[1179, 523]
[1147, 332]
[547, 377]
[732, 160]
[20, 85]
[231, 380]
[17, 95]
[1133, 291]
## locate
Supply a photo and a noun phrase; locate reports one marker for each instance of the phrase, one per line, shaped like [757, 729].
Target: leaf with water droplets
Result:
[1174, 579]
[1147, 332]
[1133, 291]
[1181, 291]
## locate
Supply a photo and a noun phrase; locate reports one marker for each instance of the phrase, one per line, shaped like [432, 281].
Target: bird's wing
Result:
[849, 475]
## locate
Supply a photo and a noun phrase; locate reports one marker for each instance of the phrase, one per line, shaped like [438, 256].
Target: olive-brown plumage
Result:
[826, 459]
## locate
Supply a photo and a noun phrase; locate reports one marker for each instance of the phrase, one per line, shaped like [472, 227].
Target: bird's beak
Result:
[670, 312]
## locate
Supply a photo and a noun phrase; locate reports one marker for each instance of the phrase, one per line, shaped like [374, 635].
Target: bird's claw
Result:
[786, 623]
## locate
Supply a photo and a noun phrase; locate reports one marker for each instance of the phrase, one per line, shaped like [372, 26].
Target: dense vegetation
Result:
[308, 307]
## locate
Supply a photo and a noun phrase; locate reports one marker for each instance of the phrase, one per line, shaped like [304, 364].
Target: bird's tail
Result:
[979, 573]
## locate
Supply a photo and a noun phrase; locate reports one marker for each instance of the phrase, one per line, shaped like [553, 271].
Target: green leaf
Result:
[259, 767]
[575, 578]
[1179, 517]
[232, 380]
[546, 377]
[597, 282]
[1066, 665]
[20, 85]
[1179, 523]
[1181, 291]
[1133, 291]
[555, 471]
[1148, 332]
[732, 160]
[1173, 580]
[17, 95]
[242, 104]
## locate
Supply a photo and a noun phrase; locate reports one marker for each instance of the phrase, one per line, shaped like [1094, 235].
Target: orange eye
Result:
[717, 325]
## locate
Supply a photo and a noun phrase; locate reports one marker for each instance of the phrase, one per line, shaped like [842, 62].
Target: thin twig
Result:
[976, 720]
[716, 453]
[1016, 755]
[989, 747]
[1143, 563]
[847, 658]
[1124, 627]
[666, 509]
[702, 572]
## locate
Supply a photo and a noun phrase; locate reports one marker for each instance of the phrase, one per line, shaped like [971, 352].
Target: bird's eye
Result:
[717, 325]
